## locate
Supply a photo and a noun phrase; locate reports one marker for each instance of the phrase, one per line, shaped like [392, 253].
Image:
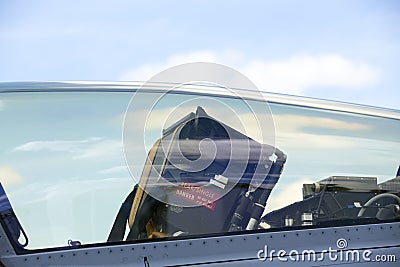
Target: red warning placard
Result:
[197, 195]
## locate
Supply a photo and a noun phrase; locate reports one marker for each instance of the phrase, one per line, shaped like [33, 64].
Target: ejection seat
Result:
[201, 177]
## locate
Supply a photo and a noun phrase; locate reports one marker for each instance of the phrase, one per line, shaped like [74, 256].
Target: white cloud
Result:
[295, 123]
[146, 71]
[290, 132]
[9, 176]
[299, 73]
[294, 75]
[113, 170]
[87, 148]
[286, 196]
[287, 141]
[158, 118]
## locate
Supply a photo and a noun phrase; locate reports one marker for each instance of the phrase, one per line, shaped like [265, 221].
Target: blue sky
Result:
[341, 50]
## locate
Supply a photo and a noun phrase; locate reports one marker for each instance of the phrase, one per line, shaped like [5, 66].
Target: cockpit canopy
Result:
[203, 161]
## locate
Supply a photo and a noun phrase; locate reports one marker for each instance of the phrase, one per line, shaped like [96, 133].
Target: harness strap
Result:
[118, 229]
[142, 183]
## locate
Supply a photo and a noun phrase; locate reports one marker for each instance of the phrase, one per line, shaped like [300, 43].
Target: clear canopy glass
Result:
[69, 159]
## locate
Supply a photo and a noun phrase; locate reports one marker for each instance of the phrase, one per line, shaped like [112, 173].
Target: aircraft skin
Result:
[229, 250]
[313, 245]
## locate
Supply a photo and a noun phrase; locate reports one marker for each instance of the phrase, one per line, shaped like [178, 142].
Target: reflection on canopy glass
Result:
[195, 168]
